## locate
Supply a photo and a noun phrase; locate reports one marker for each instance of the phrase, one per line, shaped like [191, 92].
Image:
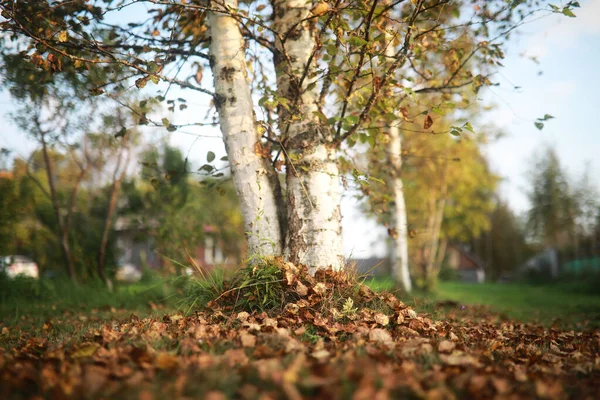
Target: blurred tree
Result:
[176, 211]
[503, 246]
[449, 190]
[554, 208]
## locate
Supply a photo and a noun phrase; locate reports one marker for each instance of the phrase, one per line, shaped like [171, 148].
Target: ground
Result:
[332, 339]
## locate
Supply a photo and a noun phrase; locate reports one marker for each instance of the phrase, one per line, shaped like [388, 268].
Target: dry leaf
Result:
[247, 339]
[85, 350]
[446, 346]
[428, 122]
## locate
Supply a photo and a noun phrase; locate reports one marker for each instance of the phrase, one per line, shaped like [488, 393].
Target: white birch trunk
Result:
[313, 184]
[400, 270]
[314, 215]
[236, 118]
[399, 261]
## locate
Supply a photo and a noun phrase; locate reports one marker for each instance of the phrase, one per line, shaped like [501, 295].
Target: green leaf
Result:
[321, 116]
[377, 180]
[210, 156]
[357, 41]
[352, 119]
[455, 131]
[468, 127]
[567, 12]
[224, 158]
[171, 128]
[539, 125]
[121, 133]
[165, 122]
[546, 117]
[207, 168]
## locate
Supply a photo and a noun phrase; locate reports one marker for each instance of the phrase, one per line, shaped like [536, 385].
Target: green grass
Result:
[566, 303]
[35, 301]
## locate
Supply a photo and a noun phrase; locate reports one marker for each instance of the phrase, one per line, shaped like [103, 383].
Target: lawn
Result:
[568, 304]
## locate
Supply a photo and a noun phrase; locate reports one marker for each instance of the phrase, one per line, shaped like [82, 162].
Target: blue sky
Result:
[568, 51]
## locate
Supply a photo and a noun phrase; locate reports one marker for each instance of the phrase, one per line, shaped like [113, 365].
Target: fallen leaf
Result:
[446, 346]
[247, 339]
[85, 350]
[382, 319]
[379, 335]
[166, 361]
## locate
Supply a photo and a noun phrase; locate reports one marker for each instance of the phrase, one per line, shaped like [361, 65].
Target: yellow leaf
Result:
[63, 36]
[320, 9]
[85, 350]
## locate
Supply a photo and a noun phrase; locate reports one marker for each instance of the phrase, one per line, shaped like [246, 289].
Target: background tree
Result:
[552, 216]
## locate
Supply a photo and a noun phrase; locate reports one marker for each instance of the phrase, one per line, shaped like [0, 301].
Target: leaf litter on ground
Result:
[324, 336]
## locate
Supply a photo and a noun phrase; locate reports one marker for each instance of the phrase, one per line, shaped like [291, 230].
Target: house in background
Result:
[137, 249]
[468, 267]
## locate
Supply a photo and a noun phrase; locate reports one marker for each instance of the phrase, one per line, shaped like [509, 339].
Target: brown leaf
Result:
[248, 340]
[301, 289]
[321, 355]
[428, 122]
[215, 395]
[382, 319]
[446, 346]
[198, 76]
[166, 361]
[379, 335]
[320, 288]
[243, 316]
[459, 359]
[236, 357]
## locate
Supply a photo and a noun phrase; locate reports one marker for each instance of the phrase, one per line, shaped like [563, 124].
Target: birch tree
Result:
[323, 73]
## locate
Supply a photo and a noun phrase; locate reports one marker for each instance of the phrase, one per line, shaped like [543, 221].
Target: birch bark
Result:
[313, 183]
[400, 269]
[233, 101]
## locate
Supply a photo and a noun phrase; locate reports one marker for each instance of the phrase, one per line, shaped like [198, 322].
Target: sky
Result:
[564, 82]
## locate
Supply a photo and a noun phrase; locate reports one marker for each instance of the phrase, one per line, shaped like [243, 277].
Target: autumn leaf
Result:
[63, 36]
[428, 122]
[166, 361]
[85, 350]
[320, 9]
[446, 346]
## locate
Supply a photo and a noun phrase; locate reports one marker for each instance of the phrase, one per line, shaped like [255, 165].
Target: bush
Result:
[447, 274]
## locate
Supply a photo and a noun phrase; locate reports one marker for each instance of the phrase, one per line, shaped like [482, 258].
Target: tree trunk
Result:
[313, 187]
[63, 234]
[250, 170]
[400, 269]
[112, 206]
[399, 223]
